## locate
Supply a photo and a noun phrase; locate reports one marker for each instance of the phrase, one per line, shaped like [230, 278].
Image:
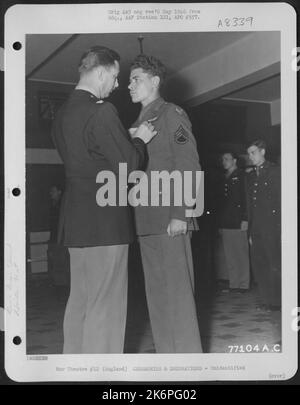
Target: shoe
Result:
[268, 308]
[243, 290]
[274, 308]
[239, 290]
[262, 307]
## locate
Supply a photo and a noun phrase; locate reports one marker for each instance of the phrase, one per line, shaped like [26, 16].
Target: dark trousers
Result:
[266, 265]
[234, 252]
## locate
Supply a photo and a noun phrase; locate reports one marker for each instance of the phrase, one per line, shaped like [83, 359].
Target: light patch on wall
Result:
[1, 319]
[275, 112]
[2, 59]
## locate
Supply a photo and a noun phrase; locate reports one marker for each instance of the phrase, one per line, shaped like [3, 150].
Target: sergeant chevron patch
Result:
[181, 136]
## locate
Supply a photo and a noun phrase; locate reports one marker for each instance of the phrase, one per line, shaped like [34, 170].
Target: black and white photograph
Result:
[149, 161]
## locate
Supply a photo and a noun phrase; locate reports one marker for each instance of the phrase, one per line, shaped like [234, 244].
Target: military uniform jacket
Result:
[173, 148]
[90, 138]
[264, 200]
[232, 201]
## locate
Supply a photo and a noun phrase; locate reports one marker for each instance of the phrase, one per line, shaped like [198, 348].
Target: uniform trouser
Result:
[169, 282]
[266, 265]
[234, 244]
[95, 315]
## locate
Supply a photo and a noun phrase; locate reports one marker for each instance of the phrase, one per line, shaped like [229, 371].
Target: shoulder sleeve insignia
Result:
[181, 136]
[179, 110]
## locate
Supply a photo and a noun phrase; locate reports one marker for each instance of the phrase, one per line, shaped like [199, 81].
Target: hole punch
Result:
[17, 46]
[17, 340]
[16, 192]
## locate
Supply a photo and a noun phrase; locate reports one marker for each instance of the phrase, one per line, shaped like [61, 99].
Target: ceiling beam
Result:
[52, 55]
[236, 85]
[241, 59]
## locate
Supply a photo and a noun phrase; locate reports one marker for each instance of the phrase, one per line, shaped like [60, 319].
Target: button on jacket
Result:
[173, 148]
[232, 201]
[90, 138]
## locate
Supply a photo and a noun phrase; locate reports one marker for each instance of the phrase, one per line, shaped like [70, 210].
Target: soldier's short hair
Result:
[97, 56]
[230, 152]
[151, 65]
[259, 143]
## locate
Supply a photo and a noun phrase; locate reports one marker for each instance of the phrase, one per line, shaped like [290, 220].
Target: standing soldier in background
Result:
[163, 237]
[90, 138]
[264, 203]
[233, 225]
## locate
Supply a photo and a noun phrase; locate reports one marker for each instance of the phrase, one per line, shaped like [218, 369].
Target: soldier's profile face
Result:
[141, 85]
[256, 155]
[55, 193]
[228, 161]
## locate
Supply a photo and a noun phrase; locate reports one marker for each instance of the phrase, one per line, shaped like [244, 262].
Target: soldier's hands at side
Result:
[244, 226]
[145, 131]
[177, 227]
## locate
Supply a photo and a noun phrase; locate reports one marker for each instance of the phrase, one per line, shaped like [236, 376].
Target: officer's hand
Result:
[177, 227]
[244, 226]
[250, 241]
[145, 131]
[132, 131]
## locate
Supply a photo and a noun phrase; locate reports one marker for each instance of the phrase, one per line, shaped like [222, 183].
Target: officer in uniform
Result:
[90, 138]
[263, 200]
[232, 223]
[58, 255]
[163, 237]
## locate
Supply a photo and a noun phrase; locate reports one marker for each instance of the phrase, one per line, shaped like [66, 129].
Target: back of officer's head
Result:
[150, 65]
[97, 56]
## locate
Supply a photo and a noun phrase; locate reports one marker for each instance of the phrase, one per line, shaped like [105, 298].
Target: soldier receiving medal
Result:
[162, 230]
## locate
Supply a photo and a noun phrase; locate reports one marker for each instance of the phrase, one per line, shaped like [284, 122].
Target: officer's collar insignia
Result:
[263, 165]
[181, 136]
[98, 100]
[179, 110]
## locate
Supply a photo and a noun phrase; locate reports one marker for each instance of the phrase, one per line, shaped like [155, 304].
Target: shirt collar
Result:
[154, 106]
[232, 174]
[85, 94]
[263, 165]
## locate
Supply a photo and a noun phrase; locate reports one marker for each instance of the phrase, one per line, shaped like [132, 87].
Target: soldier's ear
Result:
[156, 81]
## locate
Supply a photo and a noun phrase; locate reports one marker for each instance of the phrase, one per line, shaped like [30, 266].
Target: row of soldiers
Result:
[249, 223]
